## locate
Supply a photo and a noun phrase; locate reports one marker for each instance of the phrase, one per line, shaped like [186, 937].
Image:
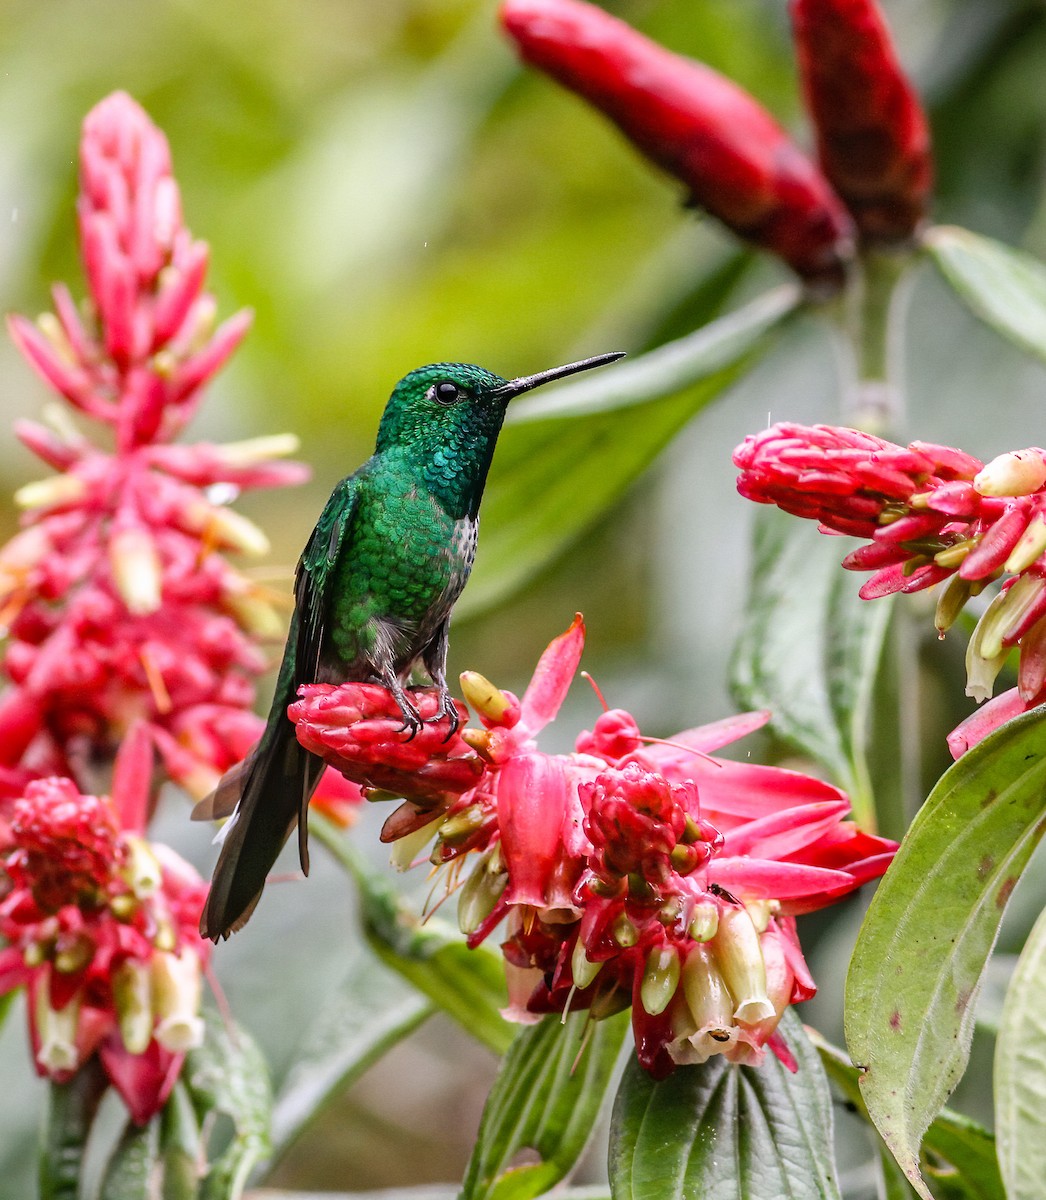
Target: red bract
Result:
[626, 873]
[873, 140]
[734, 159]
[102, 928]
[932, 513]
[117, 596]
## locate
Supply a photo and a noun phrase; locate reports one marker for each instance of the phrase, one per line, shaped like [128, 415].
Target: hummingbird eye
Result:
[446, 393]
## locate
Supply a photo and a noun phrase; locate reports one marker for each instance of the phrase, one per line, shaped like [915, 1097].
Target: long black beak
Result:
[516, 387]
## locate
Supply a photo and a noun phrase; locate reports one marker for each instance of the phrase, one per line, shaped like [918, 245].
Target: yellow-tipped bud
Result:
[462, 825]
[1018, 473]
[225, 527]
[55, 489]
[1030, 546]
[486, 700]
[251, 451]
[137, 571]
[176, 980]
[253, 611]
[660, 979]
[51, 328]
[740, 959]
[142, 871]
[951, 602]
[132, 994]
[406, 849]
[73, 953]
[761, 911]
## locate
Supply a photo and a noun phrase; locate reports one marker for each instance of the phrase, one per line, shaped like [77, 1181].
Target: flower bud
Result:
[481, 893]
[582, 969]
[491, 704]
[660, 979]
[406, 849]
[1030, 546]
[176, 980]
[50, 492]
[142, 871]
[873, 139]
[698, 126]
[132, 995]
[704, 921]
[1018, 473]
[137, 572]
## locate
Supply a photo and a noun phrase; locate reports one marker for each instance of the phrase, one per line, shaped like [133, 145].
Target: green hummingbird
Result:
[373, 594]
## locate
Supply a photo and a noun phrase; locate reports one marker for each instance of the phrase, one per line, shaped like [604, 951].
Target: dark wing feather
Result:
[315, 576]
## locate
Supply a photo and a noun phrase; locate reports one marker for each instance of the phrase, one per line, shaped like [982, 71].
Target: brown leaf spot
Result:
[1002, 897]
[985, 866]
[895, 1019]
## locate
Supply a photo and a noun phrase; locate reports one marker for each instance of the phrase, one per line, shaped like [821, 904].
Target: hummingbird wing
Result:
[315, 577]
[276, 782]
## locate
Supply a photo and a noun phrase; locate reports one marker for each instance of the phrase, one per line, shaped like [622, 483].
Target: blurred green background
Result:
[384, 186]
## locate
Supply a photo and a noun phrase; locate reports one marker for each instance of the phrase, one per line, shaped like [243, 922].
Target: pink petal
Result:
[751, 790]
[786, 832]
[763, 879]
[534, 803]
[552, 677]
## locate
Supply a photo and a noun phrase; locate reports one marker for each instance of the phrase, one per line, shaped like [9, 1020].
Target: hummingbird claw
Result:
[448, 709]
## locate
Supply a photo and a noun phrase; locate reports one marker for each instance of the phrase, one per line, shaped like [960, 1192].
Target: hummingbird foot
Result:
[411, 717]
[448, 709]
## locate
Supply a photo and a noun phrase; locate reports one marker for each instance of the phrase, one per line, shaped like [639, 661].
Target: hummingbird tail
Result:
[274, 786]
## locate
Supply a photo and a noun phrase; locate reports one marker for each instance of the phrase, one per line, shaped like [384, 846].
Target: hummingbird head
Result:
[459, 403]
[444, 419]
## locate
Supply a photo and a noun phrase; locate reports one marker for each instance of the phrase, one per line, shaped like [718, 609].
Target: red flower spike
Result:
[118, 605]
[734, 159]
[873, 139]
[955, 519]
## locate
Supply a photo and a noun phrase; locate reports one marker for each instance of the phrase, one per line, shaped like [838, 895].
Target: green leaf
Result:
[544, 1102]
[131, 1173]
[468, 985]
[809, 650]
[71, 1111]
[923, 947]
[1005, 288]
[564, 458]
[758, 1133]
[369, 1013]
[229, 1075]
[180, 1146]
[1020, 1073]
[962, 1152]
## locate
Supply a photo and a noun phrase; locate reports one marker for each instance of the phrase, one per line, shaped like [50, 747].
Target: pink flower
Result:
[117, 596]
[101, 926]
[931, 513]
[629, 872]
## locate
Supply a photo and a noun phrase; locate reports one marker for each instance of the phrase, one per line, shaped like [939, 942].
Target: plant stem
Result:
[869, 321]
[70, 1114]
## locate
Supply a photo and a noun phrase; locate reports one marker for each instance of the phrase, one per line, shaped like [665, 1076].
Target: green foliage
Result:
[1020, 1073]
[544, 1103]
[811, 654]
[923, 947]
[1004, 287]
[726, 1131]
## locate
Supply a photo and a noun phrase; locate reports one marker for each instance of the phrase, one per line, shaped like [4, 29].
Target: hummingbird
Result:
[373, 593]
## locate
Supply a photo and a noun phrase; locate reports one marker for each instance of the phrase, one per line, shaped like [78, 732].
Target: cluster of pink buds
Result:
[931, 513]
[101, 926]
[874, 176]
[630, 872]
[117, 599]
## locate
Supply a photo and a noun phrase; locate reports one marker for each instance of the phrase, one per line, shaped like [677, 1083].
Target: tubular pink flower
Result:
[118, 602]
[89, 907]
[620, 866]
